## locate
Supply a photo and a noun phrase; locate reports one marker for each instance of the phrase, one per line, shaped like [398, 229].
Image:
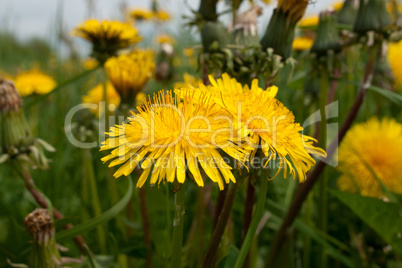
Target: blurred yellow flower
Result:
[302, 43]
[170, 138]
[141, 14]
[337, 5]
[165, 38]
[265, 123]
[188, 52]
[378, 144]
[96, 95]
[162, 15]
[309, 21]
[189, 81]
[394, 58]
[107, 37]
[90, 63]
[140, 99]
[34, 82]
[129, 73]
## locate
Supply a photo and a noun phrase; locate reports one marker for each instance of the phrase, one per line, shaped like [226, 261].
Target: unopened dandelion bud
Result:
[372, 16]
[16, 135]
[327, 38]
[348, 13]
[281, 28]
[244, 31]
[214, 36]
[44, 252]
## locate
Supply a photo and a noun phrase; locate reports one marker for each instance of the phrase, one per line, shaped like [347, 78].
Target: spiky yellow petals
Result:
[129, 73]
[34, 82]
[376, 144]
[170, 136]
[107, 37]
[189, 81]
[265, 123]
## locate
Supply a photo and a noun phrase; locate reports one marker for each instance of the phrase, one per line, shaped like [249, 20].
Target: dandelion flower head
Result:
[378, 144]
[34, 82]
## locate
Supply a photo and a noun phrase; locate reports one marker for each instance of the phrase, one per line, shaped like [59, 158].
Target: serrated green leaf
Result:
[107, 215]
[383, 217]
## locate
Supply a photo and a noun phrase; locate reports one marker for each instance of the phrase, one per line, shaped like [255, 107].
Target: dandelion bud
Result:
[327, 34]
[244, 31]
[348, 13]
[281, 28]
[372, 16]
[44, 252]
[17, 140]
[10, 99]
[16, 135]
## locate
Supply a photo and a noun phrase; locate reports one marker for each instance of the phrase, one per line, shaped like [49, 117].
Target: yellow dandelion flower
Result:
[34, 82]
[188, 52]
[309, 21]
[162, 15]
[189, 81]
[170, 136]
[337, 5]
[165, 38]
[107, 37]
[141, 14]
[302, 43]
[377, 143]
[264, 122]
[129, 73]
[90, 63]
[96, 95]
[394, 58]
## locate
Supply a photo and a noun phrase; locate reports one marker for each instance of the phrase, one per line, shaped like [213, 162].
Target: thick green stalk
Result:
[323, 183]
[178, 227]
[259, 210]
[97, 209]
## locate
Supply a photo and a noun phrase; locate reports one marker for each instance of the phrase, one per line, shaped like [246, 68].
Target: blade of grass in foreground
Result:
[107, 215]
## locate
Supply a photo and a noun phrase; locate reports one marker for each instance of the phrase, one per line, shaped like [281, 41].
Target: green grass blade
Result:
[107, 215]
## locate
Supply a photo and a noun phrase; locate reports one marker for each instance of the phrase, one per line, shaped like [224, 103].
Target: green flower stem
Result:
[221, 225]
[323, 183]
[97, 210]
[259, 210]
[178, 227]
[23, 170]
[145, 226]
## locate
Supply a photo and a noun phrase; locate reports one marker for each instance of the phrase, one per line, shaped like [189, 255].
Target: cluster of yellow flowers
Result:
[190, 126]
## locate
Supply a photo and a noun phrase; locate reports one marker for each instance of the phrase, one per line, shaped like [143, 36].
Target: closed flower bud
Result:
[44, 252]
[348, 13]
[207, 10]
[327, 38]
[372, 16]
[281, 28]
[214, 36]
